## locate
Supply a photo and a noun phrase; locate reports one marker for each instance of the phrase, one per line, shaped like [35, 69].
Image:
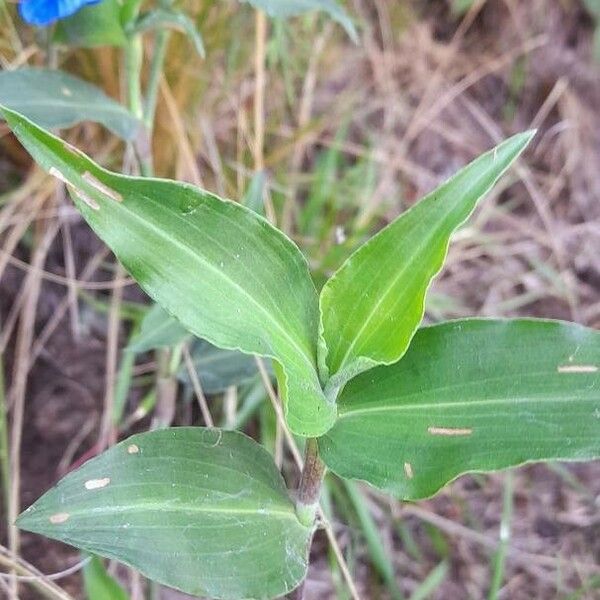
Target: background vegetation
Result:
[352, 135]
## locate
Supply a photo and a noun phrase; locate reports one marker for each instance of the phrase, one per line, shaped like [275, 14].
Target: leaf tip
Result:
[525, 137]
[26, 520]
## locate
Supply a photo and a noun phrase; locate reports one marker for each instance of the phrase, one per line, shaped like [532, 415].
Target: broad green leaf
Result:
[222, 270]
[161, 18]
[201, 510]
[219, 369]
[373, 304]
[291, 8]
[158, 330]
[99, 585]
[96, 25]
[53, 98]
[470, 395]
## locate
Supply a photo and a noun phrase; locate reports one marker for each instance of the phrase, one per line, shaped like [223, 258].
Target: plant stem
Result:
[156, 70]
[260, 52]
[311, 481]
[134, 56]
[133, 65]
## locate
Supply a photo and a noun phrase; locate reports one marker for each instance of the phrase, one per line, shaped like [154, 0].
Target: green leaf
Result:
[161, 18]
[372, 306]
[97, 25]
[254, 196]
[431, 583]
[219, 369]
[158, 330]
[470, 395]
[291, 8]
[461, 7]
[53, 98]
[201, 510]
[99, 585]
[222, 270]
[593, 7]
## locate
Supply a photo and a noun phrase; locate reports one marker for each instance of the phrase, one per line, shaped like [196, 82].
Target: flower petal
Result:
[44, 12]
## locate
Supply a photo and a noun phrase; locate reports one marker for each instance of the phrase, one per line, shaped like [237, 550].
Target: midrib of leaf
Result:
[402, 271]
[119, 110]
[163, 507]
[188, 250]
[109, 551]
[382, 298]
[281, 242]
[472, 404]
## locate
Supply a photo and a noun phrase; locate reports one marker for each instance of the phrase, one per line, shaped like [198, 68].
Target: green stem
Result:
[130, 11]
[156, 69]
[311, 481]
[134, 56]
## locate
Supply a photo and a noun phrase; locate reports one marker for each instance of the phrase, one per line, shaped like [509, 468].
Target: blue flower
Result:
[44, 12]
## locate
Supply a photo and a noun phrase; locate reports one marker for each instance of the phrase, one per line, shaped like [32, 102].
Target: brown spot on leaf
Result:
[101, 187]
[86, 199]
[56, 173]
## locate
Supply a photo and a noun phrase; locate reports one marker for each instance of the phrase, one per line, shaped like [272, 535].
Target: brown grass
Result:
[422, 94]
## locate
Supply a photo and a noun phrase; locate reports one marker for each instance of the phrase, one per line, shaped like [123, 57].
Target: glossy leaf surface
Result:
[201, 510]
[470, 395]
[372, 306]
[222, 270]
[290, 8]
[53, 98]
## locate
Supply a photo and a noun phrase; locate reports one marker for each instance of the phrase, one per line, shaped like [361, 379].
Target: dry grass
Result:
[423, 93]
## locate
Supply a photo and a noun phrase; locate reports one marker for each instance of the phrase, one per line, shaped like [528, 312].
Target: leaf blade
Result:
[54, 99]
[92, 26]
[219, 369]
[248, 289]
[161, 18]
[470, 395]
[189, 507]
[99, 585]
[158, 330]
[358, 310]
